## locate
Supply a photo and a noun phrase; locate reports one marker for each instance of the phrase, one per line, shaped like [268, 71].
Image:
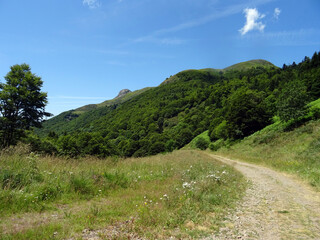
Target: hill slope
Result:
[249, 64]
[243, 66]
[296, 151]
[233, 103]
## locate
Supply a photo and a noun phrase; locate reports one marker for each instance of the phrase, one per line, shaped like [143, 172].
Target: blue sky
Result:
[86, 51]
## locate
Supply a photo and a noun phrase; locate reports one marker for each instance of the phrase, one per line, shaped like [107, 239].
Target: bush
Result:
[217, 144]
[202, 144]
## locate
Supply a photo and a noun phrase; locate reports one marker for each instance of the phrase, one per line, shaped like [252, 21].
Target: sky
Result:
[86, 51]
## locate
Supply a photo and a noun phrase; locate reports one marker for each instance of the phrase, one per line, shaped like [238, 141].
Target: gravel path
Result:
[276, 206]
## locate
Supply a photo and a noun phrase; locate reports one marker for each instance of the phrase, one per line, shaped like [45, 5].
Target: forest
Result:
[231, 103]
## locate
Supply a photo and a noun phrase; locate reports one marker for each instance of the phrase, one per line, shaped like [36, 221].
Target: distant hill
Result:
[61, 122]
[124, 95]
[243, 66]
[249, 64]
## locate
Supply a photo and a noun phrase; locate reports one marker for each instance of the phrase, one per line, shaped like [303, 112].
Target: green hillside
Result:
[296, 151]
[243, 66]
[231, 104]
[250, 64]
[61, 123]
[114, 101]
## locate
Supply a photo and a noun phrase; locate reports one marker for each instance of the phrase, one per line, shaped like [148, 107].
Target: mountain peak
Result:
[123, 92]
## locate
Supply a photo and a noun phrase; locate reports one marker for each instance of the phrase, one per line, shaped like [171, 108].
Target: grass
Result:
[249, 64]
[296, 152]
[184, 194]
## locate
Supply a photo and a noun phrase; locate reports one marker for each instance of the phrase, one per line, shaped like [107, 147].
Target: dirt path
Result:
[276, 206]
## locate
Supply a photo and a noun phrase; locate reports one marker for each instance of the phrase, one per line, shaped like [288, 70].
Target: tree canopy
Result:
[22, 104]
[230, 104]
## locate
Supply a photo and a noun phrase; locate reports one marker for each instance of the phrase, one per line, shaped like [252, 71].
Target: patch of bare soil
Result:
[276, 206]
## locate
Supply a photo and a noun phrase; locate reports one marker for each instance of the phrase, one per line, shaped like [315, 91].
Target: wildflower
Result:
[186, 185]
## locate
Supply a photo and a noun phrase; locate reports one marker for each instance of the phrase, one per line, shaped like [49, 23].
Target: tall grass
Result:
[184, 194]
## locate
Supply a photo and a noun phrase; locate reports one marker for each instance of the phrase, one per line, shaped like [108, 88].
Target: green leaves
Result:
[292, 101]
[22, 104]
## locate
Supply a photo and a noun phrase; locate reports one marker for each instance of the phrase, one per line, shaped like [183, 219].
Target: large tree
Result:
[292, 101]
[22, 104]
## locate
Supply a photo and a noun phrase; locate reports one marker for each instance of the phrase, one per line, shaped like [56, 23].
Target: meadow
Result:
[184, 194]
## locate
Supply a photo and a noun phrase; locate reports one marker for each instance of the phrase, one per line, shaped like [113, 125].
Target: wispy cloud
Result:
[252, 21]
[221, 13]
[300, 37]
[276, 13]
[91, 3]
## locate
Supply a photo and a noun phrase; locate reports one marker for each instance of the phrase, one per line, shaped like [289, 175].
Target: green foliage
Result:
[202, 143]
[292, 101]
[22, 104]
[244, 114]
[231, 104]
[220, 131]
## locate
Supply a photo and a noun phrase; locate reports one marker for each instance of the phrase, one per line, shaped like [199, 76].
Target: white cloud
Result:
[252, 23]
[276, 13]
[91, 3]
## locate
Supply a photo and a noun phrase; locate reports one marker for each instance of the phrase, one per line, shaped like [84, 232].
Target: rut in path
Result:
[276, 206]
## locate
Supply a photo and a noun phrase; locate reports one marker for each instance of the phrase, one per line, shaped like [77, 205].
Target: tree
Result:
[245, 113]
[292, 101]
[22, 104]
[202, 143]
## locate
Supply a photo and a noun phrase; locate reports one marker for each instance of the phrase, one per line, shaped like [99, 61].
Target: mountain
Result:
[249, 64]
[123, 95]
[243, 66]
[231, 103]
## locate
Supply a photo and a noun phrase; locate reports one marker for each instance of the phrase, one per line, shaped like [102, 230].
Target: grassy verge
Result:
[184, 194]
[296, 152]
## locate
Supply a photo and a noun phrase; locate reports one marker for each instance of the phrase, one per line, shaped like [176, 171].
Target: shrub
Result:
[217, 144]
[202, 144]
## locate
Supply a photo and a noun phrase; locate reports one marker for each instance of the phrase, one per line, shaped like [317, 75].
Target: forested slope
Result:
[232, 104]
